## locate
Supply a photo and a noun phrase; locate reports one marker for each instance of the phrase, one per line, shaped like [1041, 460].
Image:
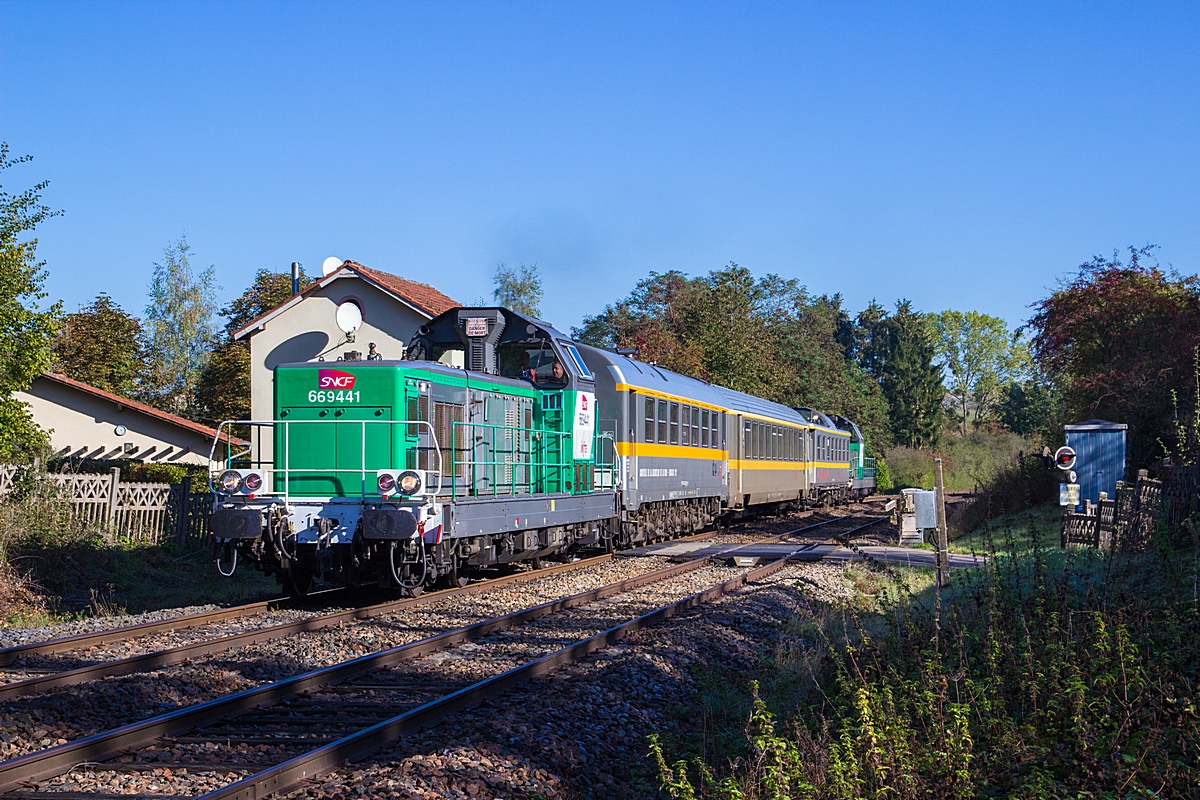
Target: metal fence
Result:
[150, 513]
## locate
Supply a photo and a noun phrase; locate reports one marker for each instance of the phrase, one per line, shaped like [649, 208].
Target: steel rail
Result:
[177, 655]
[293, 773]
[9, 655]
[79, 641]
[24, 770]
[157, 659]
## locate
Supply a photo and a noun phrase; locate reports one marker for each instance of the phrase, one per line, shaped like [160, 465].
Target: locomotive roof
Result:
[638, 374]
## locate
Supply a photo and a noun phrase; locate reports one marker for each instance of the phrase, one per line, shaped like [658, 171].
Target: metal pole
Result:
[295, 277]
[943, 544]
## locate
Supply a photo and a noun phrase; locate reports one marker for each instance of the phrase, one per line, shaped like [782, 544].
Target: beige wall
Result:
[308, 330]
[87, 425]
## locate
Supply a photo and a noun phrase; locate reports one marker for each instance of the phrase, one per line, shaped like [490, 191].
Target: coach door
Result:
[737, 443]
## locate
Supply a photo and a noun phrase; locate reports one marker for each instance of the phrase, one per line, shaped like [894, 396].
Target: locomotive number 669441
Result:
[346, 396]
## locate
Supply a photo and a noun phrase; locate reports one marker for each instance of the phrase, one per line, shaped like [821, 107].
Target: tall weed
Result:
[1046, 673]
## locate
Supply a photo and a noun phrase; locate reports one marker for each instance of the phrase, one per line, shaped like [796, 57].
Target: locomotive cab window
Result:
[577, 360]
[537, 363]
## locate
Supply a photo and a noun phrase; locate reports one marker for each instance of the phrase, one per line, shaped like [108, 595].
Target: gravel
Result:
[581, 731]
[11, 637]
[32, 723]
[463, 664]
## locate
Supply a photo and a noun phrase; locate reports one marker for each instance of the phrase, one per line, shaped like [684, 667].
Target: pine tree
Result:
[911, 382]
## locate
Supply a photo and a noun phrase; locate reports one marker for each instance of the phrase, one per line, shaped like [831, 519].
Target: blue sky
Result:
[962, 155]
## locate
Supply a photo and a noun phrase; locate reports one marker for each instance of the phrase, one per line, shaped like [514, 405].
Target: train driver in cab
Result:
[556, 378]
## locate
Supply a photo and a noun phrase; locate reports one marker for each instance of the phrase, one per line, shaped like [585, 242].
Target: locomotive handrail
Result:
[510, 439]
[286, 472]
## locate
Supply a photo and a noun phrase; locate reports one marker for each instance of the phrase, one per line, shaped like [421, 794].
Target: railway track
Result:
[287, 731]
[27, 664]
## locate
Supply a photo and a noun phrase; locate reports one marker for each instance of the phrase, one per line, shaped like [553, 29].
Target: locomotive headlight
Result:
[386, 483]
[252, 482]
[230, 481]
[409, 482]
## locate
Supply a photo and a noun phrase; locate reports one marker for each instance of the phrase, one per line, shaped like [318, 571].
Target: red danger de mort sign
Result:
[335, 379]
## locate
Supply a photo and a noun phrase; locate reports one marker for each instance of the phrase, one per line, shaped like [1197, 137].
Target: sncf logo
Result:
[583, 402]
[335, 379]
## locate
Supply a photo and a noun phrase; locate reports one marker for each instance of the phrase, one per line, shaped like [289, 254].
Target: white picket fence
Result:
[139, 511]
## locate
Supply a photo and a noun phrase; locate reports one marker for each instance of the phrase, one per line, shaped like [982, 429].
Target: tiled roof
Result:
[421, 296]
[125, 402]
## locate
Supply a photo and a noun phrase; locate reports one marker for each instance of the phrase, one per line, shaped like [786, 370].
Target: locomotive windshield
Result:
[531, 361]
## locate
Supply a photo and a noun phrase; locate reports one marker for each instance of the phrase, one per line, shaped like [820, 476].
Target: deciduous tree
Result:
[766, 337]
[101, 344]
[518, 289]
[1118, 338]
[179, 325]
[980, 356]
[223, 392]
[26, 328]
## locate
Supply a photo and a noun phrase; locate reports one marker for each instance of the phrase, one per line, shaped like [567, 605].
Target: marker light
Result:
[409, 482]
[386, 483]
[230, 481]
[252, 482]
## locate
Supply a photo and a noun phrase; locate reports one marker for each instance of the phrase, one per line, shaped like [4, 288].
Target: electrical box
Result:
[918, 515]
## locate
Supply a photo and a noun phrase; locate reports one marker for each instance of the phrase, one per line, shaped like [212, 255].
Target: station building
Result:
[305, 328]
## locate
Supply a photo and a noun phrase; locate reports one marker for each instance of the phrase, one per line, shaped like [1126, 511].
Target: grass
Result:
[1047, 673]
[54, 569]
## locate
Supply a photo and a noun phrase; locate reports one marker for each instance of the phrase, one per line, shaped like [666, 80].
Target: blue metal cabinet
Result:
[1100, 456]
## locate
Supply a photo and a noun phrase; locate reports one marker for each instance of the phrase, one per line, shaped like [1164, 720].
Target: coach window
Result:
[674, 423]
[661, 421]
[695, 427]
[704, 427]
[777, 442]
[685, 435]
[746, 442]
[649, 419]
[712, 436]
